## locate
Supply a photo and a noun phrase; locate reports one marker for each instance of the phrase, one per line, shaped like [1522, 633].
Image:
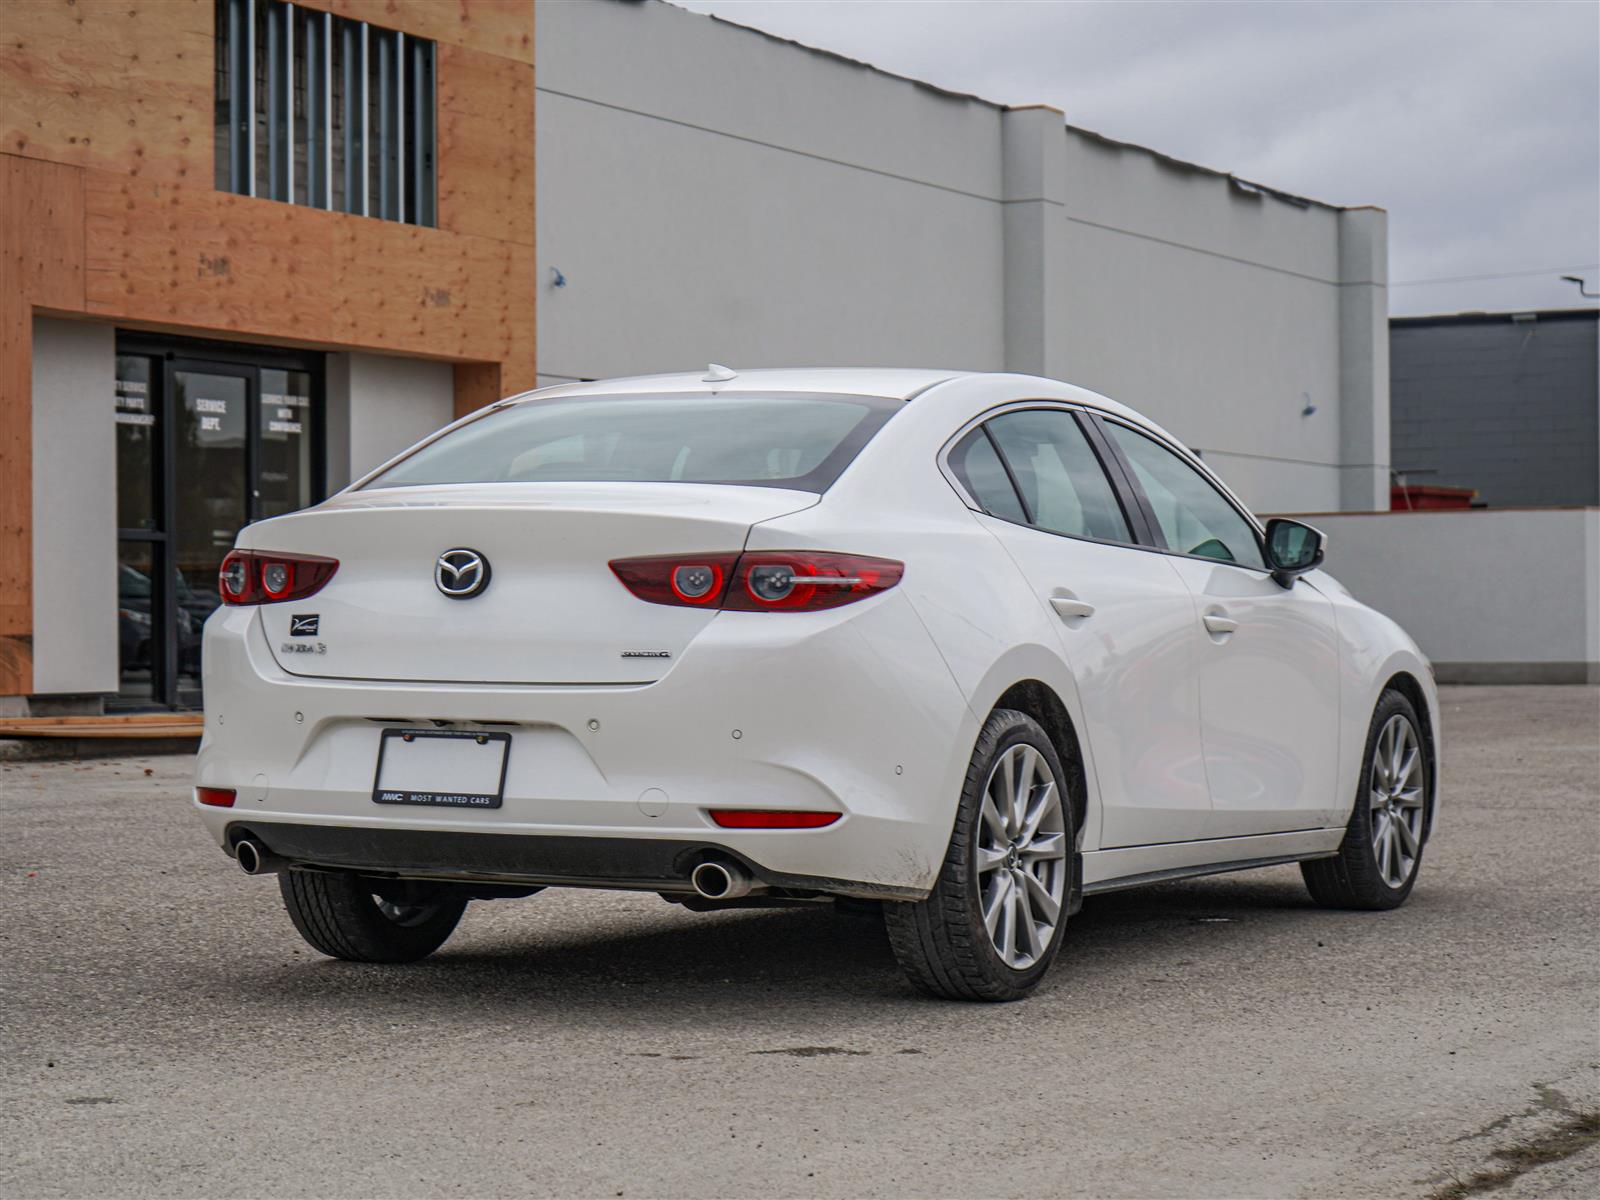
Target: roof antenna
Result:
[717, 373]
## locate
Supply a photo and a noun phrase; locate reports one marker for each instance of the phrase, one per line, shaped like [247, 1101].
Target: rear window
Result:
[801, 442]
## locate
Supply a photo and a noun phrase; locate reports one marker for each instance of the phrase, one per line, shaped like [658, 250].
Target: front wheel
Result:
[993, 922]
[1377, 863]
[370, 920]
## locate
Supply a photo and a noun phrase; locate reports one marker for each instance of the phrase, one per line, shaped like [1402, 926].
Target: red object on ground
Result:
[1415, 496]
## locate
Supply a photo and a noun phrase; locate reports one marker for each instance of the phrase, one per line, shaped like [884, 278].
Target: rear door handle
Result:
[1217, 623]
[1071, 608]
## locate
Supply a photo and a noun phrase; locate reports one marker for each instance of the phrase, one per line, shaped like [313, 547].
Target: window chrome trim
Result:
[1070, 407]
[1189, 458]
[1118, 486]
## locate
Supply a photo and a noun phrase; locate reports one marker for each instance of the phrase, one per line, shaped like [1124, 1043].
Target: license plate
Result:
[454, 768]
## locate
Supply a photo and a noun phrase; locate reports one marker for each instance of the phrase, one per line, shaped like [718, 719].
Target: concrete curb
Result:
[62, 749]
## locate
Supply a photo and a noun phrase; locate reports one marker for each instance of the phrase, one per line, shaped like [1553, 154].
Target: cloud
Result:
[1477, 125]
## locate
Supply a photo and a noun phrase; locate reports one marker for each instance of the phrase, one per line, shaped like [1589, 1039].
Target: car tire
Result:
[370, 920]
[1381, 854]
[963, 942]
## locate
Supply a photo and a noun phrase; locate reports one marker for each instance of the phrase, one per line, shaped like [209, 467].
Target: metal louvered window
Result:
[321, 110]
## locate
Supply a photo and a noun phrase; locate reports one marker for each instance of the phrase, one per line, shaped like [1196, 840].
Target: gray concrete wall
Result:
[1491, 597]
[1507, 405]
[1215, 310]
[713, 194]
[377, 405]
[74, 507]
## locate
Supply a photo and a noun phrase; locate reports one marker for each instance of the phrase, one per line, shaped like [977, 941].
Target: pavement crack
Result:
[1578, 1131]
[812, 1051]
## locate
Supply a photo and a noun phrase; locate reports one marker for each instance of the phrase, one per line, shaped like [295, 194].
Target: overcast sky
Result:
[1477, 125]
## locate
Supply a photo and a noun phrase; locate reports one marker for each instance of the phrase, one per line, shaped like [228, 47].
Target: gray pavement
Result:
[163, 1030]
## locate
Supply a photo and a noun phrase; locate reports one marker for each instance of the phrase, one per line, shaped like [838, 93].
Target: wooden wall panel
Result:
[203, 259]
[41, 232]
[119, 85]
[503, 28]
[486, 137]
[477, 384]
[185, 258]
[41, 265]
[16, 488]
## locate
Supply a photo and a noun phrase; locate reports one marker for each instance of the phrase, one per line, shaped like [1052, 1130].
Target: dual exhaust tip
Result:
[715, 879]
[255, 859]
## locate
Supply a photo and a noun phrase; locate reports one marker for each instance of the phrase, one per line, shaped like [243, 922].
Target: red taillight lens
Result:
[215, 797]
[262, 577]
[693, 580]
[803, 581]
[758, 581]
[770, 818]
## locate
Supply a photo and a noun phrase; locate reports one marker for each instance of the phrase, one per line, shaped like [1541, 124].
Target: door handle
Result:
[1070, 608]
[1217, 623]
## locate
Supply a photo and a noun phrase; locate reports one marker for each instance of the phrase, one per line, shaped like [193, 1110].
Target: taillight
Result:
[262, 577]
[758, 580]
[771, 818]
[215, 797]
[693, 580]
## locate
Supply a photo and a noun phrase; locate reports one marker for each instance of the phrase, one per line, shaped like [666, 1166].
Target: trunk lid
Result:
[552, 611]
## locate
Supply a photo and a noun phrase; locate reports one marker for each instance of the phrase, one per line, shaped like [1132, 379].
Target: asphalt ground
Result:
[164, 1031]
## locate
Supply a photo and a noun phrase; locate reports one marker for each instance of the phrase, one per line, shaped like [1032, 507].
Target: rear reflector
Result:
[770, 818]
[216, 797]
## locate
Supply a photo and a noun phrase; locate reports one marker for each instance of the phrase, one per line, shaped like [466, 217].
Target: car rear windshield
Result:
[800, 442]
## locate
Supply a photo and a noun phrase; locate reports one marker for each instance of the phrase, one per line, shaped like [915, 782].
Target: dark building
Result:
[1507, 404]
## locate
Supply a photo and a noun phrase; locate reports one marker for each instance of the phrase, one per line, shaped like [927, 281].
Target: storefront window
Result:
[139, 642]
[138, 437]
[283, 474]
[207, 442]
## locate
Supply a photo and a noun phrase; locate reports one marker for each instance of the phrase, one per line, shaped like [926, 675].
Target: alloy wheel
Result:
[1022, 853]
[1396, 788]
[410, 911]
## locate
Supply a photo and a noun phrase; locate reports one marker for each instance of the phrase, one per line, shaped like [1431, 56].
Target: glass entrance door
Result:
[210, 479]
[205, 445]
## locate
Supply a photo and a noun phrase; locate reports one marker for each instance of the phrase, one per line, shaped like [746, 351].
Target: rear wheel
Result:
[370, 920]
[1377, 863]
[993, 923]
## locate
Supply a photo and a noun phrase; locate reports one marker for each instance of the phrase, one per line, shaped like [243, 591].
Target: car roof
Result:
[897, 383]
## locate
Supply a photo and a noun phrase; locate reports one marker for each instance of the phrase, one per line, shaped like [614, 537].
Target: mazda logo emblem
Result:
[461, 573]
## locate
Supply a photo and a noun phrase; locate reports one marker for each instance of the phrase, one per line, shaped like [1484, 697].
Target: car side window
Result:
[1194, 517]
[978, 468]
[1061, 480]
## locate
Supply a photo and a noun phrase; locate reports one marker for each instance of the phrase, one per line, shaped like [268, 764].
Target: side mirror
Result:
[1292, 549]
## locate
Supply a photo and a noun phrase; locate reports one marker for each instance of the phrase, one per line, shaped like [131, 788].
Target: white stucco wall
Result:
[1491, 595]
[1212, 310]
[378, 405]
[713, 194]
[74, 507]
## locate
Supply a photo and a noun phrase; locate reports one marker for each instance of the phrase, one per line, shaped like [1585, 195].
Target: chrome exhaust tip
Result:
[714, 880]
[254, 859]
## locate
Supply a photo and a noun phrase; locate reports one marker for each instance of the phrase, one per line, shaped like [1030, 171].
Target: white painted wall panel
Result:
[378, 405]
[74, 507]
[1504, 588]
[681, 247]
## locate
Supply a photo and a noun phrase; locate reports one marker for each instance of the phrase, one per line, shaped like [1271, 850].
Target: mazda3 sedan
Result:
[965, 647]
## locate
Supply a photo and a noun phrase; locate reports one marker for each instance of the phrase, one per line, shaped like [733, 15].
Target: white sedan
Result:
[967, 646]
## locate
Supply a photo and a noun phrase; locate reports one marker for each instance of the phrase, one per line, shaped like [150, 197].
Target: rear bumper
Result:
[850, 711]
[641, 863]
